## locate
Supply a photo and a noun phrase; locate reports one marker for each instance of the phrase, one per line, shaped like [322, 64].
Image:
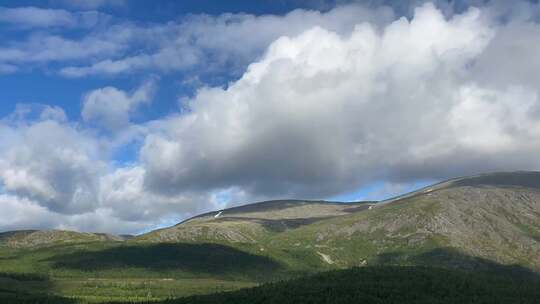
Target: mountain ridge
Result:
[493, 216]
[292, 211]
[31, 238]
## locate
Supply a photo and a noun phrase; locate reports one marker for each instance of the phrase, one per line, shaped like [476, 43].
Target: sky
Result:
[122, 116]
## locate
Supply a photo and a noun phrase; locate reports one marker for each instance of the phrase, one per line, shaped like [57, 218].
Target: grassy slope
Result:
[500, 225]
[110, 270]
[400, 285]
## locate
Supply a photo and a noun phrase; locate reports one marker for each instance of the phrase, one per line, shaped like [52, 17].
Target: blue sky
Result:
[47, 87]
[120, 116]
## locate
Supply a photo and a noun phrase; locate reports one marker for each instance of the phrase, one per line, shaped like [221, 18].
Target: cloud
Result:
[58, 174]
[22, 213]
[50, 162]
[518, 39]
[46, 48]
[167, 59]
[110, 107]
[53, 113]
[7, 68]
[198, 44]
[124, 192]
[211, 42]
[42, 48]
[35, 17]
[89, 4]
[324, 112]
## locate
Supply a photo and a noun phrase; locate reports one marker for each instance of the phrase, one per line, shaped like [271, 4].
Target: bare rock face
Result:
[485, 217]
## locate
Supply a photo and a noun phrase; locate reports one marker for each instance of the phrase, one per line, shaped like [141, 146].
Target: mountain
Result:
[487, 223]
[252, 223]
[34, 238]
[494, 217]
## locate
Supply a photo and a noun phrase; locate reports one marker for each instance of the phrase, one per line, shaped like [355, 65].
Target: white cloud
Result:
[51, 163]
[123, 207]
[46, 48]
[35, 17]
[167, 59]
[490, 120]
[7, 68]
[42, 48]
[53, 113]
[23, 213]
[89, 4]
[124, 193]
[56, 174]
[517, 39]
[208, 42]
[110, 107]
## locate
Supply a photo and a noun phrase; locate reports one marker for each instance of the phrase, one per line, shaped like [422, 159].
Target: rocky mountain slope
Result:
[465, 222]
[35, 238]
[251, 223]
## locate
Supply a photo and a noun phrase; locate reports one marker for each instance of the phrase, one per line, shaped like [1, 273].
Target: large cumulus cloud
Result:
[323, 112]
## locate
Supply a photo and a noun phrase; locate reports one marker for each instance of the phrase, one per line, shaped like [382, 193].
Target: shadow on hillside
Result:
[453, 259]
[256, 207]
[363, 207]
[196, 258]
[384, 284]
[7, 258]
[277, 225]
[28, 288]
[509, 179]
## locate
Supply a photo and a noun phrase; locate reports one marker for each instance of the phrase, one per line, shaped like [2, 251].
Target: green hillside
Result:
[419, 285]
[482, 223]
[492, 216]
